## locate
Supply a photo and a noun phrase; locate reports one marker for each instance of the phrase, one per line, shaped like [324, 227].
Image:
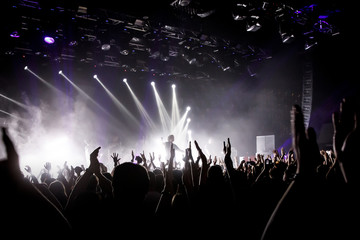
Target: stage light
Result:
[118, 104]
[105, 47]
[15, 34]
[16, 102]
[52, 87]
[140, 107]
[60, 72]
[153, 83]
[188, 108]
[188, 120]
[173, 86]
[253, 24]
[49, 40]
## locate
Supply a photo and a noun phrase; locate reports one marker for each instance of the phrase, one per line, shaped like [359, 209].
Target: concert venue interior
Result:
[124, 75]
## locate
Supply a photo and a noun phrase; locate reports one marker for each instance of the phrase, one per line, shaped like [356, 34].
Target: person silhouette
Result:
[167, 146]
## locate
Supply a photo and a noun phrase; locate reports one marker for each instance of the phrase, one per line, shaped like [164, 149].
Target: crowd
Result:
[305, 193]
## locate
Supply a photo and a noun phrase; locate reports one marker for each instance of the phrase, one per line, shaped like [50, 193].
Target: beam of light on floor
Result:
[175, 115]
[140, 107]
[118, 104]
[12, 115]
[164, 116]
[43, 81]
[84, 94]
[16, 102]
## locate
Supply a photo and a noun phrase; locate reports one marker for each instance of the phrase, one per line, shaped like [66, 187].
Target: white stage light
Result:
[124, 80]
[26, 68]
[188, 120]
[95, 76]
[60, 72]
[153, 83]
[173, 86]
[188, 108]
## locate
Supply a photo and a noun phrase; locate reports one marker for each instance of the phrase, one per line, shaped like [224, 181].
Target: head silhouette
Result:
[171, 138]
[130, 183]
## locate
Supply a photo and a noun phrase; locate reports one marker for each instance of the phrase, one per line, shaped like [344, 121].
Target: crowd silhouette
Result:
[305, 193]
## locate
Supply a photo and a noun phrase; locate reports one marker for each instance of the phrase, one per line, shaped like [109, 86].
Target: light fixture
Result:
[15, 34]
[124, 80]
[49, 40]
[105, 47]
[310, 41]
[240, 12]
[286, 32]
[253, 24]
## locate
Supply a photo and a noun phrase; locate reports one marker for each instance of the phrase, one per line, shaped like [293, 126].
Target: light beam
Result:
[175, 108]
[164, 116]
[118, 104]
[16, 102]
[140, 107]
[26, 68]
[12, 115]
[84, 94]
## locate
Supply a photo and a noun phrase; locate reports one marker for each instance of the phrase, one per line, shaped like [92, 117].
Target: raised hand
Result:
[152, 158]
[304, 144]
[346, 139]
[205, 165]
[47, 166]
[115, 158]
[12, 155]
[227, 152]
[28, 169]
[144, 160]
[94, 162]
[132, 156]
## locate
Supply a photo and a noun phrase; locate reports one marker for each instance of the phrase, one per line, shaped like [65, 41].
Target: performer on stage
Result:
[167, 146]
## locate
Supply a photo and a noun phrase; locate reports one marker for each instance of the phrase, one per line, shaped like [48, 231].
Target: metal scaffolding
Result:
[307, 91]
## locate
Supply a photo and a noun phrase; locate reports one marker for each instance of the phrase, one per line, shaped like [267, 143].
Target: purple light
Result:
[15, 34]
[49, 40]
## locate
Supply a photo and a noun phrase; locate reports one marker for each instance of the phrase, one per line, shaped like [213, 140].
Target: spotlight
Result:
[188, 120]
[173, 86]
[95, 76]
[49, 40]
[124, 80]
[188, 108]
[26, 68]
[105, 47]
[153, 83]
[15, 34]
[253, 24]
[60, 72]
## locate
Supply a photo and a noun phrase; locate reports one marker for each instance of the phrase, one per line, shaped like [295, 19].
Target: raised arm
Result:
[81, 185]
[346, 140]
[204, 166]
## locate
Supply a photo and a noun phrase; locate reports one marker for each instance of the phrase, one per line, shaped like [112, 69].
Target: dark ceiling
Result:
[183, 38]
